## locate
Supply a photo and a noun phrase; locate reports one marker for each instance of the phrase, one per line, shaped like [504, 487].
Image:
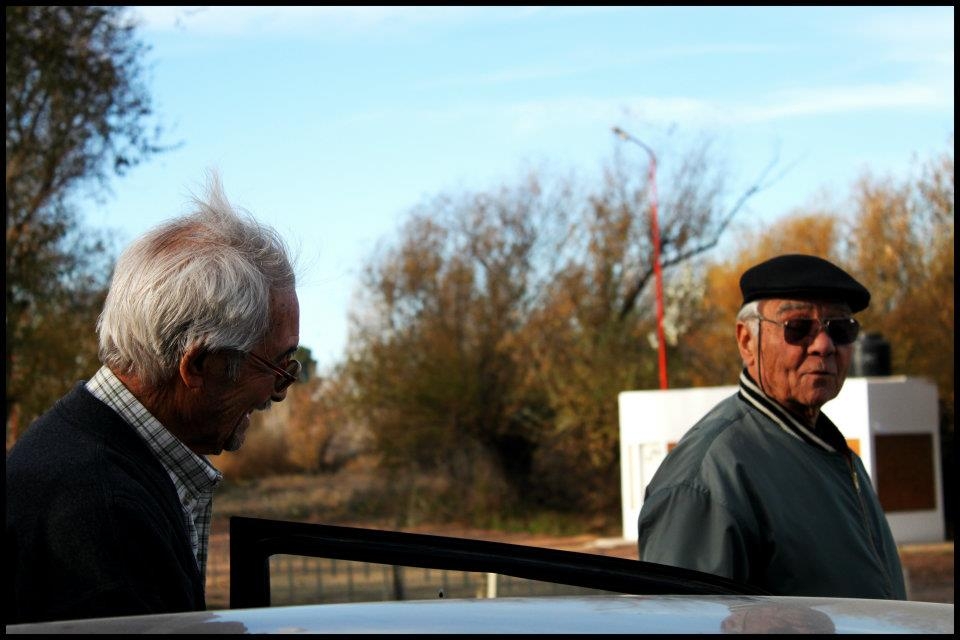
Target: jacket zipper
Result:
[866, 522]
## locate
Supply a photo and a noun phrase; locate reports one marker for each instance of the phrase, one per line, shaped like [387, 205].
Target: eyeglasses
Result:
[841, 330]
[288, 375]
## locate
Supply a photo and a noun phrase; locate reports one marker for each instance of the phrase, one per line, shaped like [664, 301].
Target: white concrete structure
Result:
[892, 422]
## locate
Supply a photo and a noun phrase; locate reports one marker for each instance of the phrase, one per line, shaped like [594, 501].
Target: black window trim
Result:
[254, 540]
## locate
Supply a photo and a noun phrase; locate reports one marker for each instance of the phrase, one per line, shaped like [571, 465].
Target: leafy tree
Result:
[76, 112]
[495, 338]
[902, 245]
[434, 368]
[588, 340]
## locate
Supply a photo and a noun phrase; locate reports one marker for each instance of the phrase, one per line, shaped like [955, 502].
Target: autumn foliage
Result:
[498, 332]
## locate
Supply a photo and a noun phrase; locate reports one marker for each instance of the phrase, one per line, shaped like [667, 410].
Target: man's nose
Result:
[822, 343]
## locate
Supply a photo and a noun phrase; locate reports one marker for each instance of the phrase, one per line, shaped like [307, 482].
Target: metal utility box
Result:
[892, 422]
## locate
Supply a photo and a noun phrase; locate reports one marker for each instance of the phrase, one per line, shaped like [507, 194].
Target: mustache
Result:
[823, 367]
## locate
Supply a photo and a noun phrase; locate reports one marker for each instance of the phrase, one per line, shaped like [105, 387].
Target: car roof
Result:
[564, 614]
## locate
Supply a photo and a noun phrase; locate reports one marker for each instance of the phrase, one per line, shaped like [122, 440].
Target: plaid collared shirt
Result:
[193, 476]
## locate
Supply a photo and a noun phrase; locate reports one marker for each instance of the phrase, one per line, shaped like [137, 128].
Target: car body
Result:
[597, 594]
[560, 614]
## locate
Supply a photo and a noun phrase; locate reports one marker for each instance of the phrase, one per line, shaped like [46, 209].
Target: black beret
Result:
[801, 277]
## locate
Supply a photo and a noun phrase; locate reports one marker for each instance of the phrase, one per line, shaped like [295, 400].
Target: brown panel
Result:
[904, 471]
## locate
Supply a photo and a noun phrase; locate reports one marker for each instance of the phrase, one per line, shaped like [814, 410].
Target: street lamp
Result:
[655, 232]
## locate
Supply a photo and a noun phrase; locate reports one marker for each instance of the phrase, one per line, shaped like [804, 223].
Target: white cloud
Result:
[923, 35]
[584, 61]
[310, 20]
[795, 103]
[921, 27]
[813, 101]
[533, 117]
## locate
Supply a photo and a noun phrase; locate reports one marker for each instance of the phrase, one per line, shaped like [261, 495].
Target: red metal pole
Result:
[657, 270]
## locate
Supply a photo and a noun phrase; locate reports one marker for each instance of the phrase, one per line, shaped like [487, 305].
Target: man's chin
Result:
[236, 439]
[233, 443]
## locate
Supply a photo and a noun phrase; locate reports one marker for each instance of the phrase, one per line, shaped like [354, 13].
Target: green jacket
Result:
[750, 494]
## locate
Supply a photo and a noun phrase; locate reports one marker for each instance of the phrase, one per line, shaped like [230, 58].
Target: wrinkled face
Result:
[802, 377]
[220, 419]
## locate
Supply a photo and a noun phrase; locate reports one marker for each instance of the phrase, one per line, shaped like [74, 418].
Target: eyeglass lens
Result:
[289, 374]
[293, 369]
[841, 330]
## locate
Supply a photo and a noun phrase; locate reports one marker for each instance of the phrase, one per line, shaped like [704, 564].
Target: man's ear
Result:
[192, 365]
[747, 343]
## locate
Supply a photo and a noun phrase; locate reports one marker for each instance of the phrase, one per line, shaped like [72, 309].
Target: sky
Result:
[332, 123]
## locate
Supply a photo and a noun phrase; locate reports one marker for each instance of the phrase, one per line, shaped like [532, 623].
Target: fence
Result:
[303, 580]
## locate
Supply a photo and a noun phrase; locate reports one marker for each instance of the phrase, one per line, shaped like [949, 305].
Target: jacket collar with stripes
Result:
[824, 435]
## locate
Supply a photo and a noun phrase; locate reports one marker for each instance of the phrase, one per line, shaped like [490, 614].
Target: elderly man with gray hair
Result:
[109, 493]
[764, 489]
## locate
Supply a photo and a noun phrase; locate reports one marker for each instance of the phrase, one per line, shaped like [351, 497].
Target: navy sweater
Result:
[94, 525]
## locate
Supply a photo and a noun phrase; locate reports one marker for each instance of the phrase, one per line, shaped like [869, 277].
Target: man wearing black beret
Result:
[764, 489]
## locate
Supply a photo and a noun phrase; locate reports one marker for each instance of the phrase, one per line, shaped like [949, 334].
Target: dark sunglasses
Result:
[288, 375]
[795, 331]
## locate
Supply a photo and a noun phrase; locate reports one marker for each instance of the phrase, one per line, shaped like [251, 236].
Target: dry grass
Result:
[361, 494]
[330, 498]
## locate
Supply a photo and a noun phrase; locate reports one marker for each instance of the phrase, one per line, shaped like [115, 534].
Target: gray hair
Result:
[750, 312]
[200, 280]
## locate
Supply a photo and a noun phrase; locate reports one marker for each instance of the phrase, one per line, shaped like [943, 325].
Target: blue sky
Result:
[331, 123]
